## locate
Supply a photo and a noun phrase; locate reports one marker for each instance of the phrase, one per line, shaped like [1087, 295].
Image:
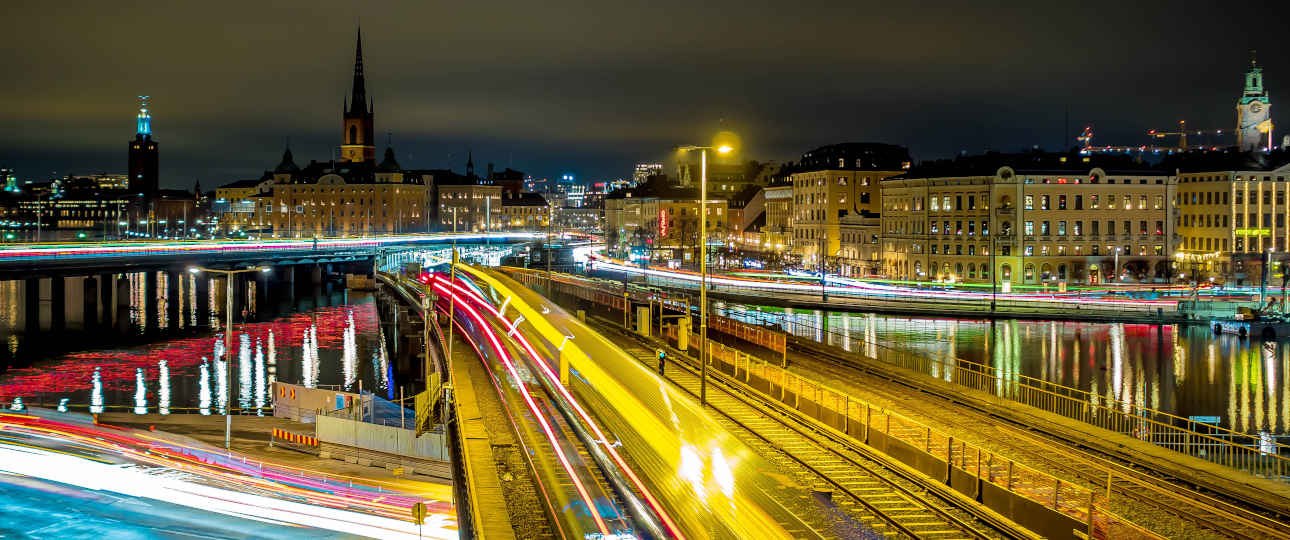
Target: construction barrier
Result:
[282, 435]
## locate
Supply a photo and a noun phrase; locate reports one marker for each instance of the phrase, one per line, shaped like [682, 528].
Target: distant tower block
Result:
[1253, 112]
[143, 162]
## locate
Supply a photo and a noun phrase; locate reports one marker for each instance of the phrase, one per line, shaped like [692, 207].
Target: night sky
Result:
[591, 88]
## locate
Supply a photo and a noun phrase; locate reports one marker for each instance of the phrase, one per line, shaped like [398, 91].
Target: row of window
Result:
[1077, 228]
[1095, 202]
[1044, 250]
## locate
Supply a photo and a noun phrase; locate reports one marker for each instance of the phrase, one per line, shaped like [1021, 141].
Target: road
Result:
[68, 477]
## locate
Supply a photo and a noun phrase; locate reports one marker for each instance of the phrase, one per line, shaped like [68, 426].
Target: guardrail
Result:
[859, 420]
[1241, 451]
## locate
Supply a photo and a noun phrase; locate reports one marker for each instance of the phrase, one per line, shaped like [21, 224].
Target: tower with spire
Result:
[143, 160]
[1253, 111]
[359, 135]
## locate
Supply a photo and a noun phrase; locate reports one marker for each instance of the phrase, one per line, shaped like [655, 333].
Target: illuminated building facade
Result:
[1229, 220]
[1042, 225]
[524, 211]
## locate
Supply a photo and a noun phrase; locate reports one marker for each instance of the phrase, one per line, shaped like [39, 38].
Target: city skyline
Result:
[574, 97]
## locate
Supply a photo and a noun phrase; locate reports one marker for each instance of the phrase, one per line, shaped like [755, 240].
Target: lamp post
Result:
[703, 264]
[1263, 283]
[228, 337]
[1115, 277]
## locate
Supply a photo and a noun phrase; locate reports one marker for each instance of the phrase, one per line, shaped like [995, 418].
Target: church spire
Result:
[358, 96]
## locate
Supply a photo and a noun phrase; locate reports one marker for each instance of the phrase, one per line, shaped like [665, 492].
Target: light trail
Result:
[504, 356]
[543, 366]
[177, 247]
[860, 287]
[89, 456]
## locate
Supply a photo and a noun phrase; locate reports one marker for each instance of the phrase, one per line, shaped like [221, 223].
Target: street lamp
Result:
[703, 263]
[1116, 267]
[228, 337]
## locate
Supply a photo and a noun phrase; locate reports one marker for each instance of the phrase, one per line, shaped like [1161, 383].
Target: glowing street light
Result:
[703, 264]
[228, 337]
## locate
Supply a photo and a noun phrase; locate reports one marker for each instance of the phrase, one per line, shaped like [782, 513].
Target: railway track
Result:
[1223, 517]
[888, 501]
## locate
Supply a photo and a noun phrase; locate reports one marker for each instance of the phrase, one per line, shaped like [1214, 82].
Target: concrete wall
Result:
[390, 440]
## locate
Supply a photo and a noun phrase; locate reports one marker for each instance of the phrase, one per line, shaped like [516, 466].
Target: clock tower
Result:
[1253, 115]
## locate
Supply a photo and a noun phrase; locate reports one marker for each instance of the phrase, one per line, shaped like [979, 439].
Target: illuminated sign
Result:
[662, 222]
[1253, 232]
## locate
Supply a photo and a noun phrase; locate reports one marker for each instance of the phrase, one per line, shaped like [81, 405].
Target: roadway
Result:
[857, 295]
[68, 477]
[15, 259]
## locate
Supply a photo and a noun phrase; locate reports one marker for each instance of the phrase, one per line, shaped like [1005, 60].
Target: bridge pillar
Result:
[221, 301]
[261, 292]
[291, 281]
[317, 274]
[123, 320]
[151, 310]
[31, 315]
[240, 306]
[90, 303]
[57, 304]
[107, 286]
[174, 300]
[203, 307]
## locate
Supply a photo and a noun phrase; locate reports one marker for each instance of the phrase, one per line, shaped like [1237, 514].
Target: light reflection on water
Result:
[1183, 370]
[318, 346]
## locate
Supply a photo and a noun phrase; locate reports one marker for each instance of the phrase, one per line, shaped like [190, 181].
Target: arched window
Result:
[1029, 274]
[1006, 270]
[1061, 271]
[971, 270]
[958, 270]
[1046, 271]
[353, 134]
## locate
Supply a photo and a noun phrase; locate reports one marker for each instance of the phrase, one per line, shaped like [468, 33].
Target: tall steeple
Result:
[358, 95]
[358, 135]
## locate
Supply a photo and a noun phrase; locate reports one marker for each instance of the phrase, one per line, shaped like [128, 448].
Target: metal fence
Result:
[1242, 451]
[859, 419]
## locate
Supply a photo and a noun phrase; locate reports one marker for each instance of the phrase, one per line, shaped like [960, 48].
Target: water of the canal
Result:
[322, 336]
[1183, 370]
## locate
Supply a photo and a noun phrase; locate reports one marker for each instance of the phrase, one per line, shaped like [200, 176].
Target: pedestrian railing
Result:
[1242, 451]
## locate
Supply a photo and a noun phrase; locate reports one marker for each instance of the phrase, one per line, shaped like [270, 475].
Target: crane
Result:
[1182, 134]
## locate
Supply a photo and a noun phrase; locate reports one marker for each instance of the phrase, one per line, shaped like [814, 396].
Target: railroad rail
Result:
[889, 500]
[1106, 475]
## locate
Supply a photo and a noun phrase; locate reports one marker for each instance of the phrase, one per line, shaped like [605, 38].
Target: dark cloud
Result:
[592, 87]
